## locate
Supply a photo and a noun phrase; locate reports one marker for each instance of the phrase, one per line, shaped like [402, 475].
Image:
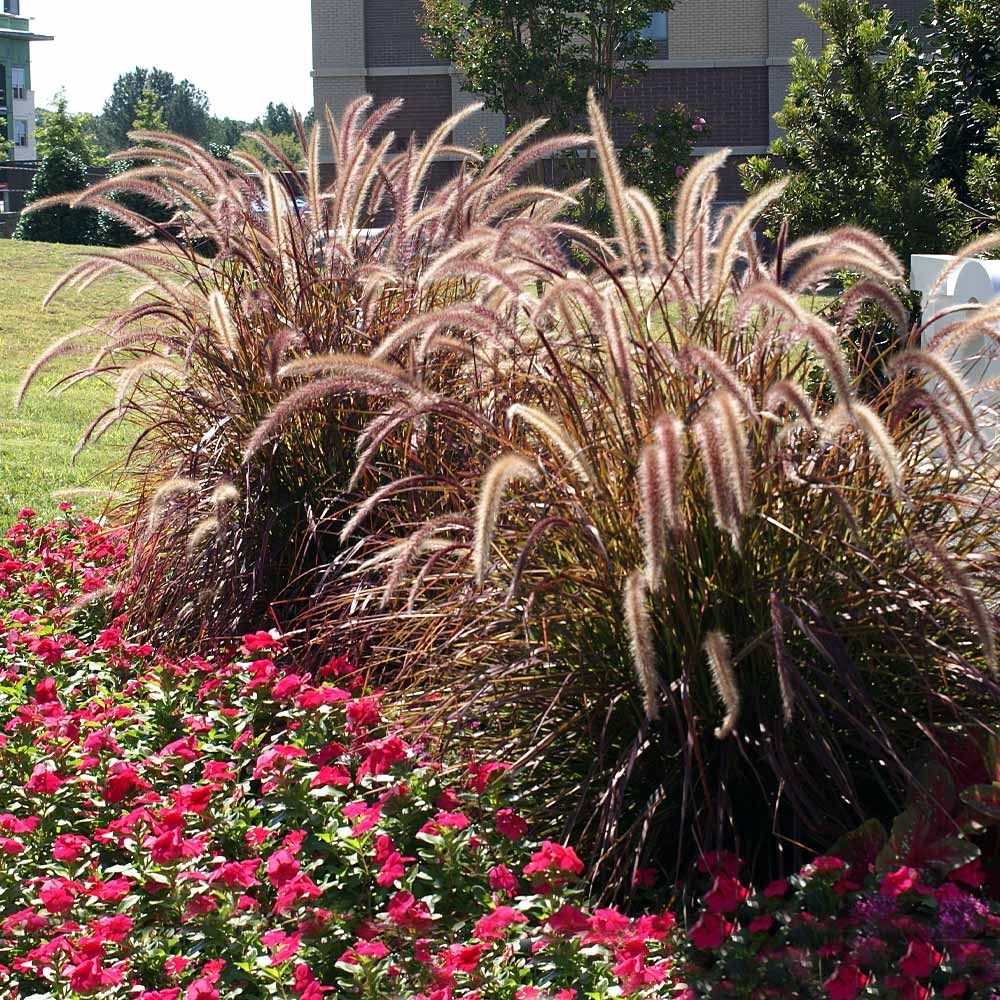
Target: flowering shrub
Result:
[195, 828]
[842, 930]
[201, 829]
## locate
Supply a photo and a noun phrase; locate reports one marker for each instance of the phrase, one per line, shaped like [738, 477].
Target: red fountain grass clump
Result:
[187, 829]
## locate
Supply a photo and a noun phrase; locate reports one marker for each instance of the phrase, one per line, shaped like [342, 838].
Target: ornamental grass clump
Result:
[257, 346]
[721, 591]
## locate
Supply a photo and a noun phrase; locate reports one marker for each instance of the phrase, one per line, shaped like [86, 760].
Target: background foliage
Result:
[890, 127]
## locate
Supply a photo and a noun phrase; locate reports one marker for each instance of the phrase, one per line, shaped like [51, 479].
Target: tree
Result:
[529, 58]
[60, 171]
[226, 131]
[59, 128]
[149, 113]
[185, 107]
[288, 144]
[277, 120]
[895, 130]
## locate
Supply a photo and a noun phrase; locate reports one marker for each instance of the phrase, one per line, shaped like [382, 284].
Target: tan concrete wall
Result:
[338, 28]
[785, 23]
[338, 40]
[482, 128]
[718, 29]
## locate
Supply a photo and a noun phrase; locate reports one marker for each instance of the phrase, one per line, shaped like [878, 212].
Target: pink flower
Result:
[389, 860]
[825, 863]
[552, 857]
[493, 925]
[175, 965]
[44, 780]
[920, 960]
[502, 879]
[451, 820]
[846, 982]
[69, 847]
[901, 880]
[332, 775]
[255, 641]
[461, 958]
[57, 895]
[510, 825]
[710, 931]
[405, 911]
[91, 975]
[282, 867]
[606, 926]
[201, 989]
[777, 888]
[761, 924]
[725, 895]
[568, 920]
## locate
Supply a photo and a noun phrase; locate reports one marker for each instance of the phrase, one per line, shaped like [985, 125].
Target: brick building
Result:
[727, 60]
[17, 98]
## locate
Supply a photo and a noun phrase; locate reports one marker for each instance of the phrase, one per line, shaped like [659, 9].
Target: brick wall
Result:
[428, 102]
[393, 35]
[734, 100]
[712, 29]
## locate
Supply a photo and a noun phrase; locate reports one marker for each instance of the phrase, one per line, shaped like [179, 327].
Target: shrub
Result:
[258, 279]
[718, 594]
[891, 127]
[204, 829]
[236, 827]
[899, 917]
[60, 171]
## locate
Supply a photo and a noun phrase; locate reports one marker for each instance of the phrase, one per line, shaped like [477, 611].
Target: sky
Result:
[242, 53]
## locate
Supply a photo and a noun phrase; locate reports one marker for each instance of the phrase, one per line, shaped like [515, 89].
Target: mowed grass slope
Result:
[37, 442]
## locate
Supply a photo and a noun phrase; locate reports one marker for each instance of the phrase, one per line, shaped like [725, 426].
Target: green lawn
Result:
[36, 443]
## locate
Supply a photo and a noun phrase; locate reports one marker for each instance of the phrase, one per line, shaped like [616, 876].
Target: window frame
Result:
[18, 93]
[21, 141]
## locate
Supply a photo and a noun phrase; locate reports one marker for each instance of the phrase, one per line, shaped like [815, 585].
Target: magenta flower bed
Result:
[204, 829]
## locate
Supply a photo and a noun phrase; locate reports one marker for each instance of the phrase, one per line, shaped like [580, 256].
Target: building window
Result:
[20, 132]
[18, 87]
[12, 6]
[3, 86]
[656, 30]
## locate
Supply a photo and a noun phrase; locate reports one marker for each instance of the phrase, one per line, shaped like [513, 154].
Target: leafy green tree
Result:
[185, 107]
[61, 170]
[149, 112]
[288, 144]
[277, 120]
[226, 131]
[656, 156]
[529, 58]
[59, 128]
[893, 129]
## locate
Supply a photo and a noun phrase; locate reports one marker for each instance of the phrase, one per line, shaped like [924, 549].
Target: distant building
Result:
[726, 60]
[17, 98]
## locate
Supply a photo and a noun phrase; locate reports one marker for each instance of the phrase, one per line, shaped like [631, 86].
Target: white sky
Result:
[242, 53]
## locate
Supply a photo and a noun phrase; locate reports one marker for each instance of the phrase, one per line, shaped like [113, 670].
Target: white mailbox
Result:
[972, 282]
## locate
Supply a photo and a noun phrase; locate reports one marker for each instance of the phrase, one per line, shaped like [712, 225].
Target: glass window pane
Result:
[657, 27]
